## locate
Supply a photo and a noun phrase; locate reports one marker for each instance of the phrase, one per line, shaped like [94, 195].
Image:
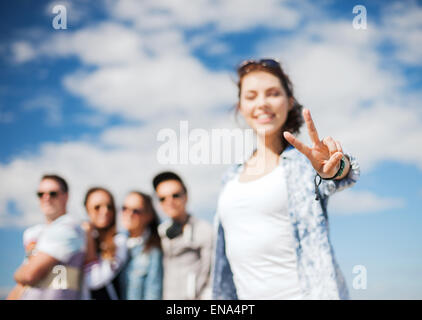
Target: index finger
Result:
[296, 143]
[311, 126]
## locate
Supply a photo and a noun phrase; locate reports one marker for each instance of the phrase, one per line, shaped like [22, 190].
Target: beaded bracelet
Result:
[338, 174]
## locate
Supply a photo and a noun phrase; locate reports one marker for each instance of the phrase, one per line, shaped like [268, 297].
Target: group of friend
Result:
[94, 259]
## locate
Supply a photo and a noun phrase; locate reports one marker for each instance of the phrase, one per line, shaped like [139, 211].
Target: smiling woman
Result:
[272, 236]
[106, 249]
[142, 275]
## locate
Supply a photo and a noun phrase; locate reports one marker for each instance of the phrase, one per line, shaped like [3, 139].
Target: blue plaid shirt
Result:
[319, 274]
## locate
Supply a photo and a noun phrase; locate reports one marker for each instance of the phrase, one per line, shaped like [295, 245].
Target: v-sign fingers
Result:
[313, 133]
[339, 148]
[297, 143]
[331, 145]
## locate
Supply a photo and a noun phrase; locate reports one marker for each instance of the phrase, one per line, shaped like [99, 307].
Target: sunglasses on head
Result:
[270, 63]
[174, 196]
[134, 211]
[52, 194]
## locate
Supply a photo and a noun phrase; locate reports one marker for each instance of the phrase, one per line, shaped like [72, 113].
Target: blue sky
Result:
[88, 102]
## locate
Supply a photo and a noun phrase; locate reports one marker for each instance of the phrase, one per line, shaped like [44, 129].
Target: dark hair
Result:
[294, 117]
[154, 238]
[105, 241]
[167, 175]
[62, 182]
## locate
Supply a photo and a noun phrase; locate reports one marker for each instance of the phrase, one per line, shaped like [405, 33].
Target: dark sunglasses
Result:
[52, 194]
[270, 63]
[134, 211]
[174, 196]
[98, 206]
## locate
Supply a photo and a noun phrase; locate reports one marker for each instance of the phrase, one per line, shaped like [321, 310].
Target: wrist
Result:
[346, 168]
[342, 171]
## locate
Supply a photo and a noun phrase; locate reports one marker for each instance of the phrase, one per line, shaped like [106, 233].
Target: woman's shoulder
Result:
[155, 251]
[291, 157]
[231, 172]
[291, 153]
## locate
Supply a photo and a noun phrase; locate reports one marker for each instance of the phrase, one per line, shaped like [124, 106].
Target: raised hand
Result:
[324, 155]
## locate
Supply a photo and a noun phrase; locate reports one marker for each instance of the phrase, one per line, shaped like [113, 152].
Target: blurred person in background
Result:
[186, 242]
[106, 248]
[142, 275]
[271, 222]
[55, 250]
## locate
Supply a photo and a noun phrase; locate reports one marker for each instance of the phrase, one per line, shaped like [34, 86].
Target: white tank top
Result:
[259, 237]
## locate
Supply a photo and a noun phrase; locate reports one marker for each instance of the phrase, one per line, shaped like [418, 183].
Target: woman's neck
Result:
[266, 156]
[136, 233]
[269, 146]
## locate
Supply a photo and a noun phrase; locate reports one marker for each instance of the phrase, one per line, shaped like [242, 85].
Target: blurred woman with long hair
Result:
[106, 249]
[142, 275]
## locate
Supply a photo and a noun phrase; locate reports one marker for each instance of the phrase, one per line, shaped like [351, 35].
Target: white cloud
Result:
[122, 159]
[103, 44]
[150, 73]
[209, 43]
[355, 202]
[354, 96]
[402, 24]
[153, 88]
[48, 103]
[226, 16]
[138, 75]
[22, 51]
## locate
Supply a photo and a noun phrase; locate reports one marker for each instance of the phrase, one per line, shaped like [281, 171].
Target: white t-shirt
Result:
[62, 238]
[259, 238]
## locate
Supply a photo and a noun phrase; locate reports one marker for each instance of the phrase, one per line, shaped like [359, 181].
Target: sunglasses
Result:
[98, 206]
[270, 63]
[52, 194]
[174, 196]
[134, 211]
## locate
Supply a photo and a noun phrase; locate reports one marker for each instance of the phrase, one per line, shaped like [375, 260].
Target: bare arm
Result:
[16, 292]
[35, 269]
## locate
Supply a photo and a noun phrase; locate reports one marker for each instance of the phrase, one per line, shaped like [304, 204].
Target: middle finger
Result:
[331, 145]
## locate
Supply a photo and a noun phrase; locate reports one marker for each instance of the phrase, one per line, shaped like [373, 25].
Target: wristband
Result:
[338, 174]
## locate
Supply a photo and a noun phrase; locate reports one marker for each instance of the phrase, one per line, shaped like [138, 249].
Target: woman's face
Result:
[263, 103]
[100, 210]
[134, 215]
